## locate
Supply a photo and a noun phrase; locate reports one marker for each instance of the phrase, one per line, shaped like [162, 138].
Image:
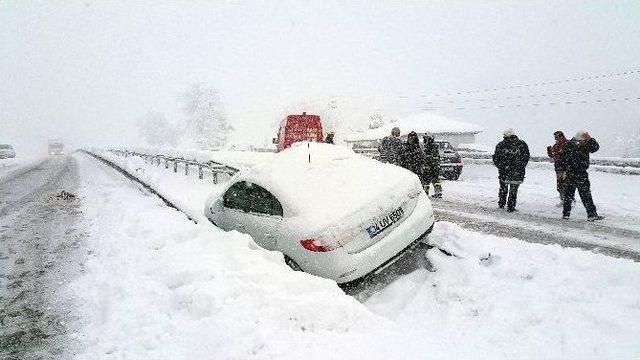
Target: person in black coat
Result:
[574, 161]
[510, 157]
[391, 148]
[412, 155]
[329, 138]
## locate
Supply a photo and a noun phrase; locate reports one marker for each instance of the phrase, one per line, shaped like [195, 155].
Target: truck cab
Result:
[295, 128]
[56, 147]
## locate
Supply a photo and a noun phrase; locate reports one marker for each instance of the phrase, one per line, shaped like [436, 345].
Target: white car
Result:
[331, 212]
[6, 151]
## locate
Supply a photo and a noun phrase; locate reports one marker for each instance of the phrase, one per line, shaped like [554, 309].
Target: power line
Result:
[536, 84]
[537, 104]
[522, 96]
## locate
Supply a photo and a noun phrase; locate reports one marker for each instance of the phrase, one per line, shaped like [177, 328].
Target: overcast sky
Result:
[89, 69]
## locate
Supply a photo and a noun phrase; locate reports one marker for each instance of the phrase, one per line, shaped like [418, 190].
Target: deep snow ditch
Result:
[159, 286]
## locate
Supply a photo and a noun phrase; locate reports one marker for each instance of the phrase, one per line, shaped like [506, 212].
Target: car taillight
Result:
[315, 245]
[415, 193]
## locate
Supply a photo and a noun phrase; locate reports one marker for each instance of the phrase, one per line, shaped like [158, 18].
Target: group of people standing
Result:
[511, 156]
[571, 161]
[422, 159]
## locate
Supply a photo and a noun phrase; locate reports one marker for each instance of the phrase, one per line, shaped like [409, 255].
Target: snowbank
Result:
[504, 299]
[237, 159]
[157, 286]
[11, 165]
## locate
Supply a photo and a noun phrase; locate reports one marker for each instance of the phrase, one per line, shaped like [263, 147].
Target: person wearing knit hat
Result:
[391, 148]
[431, 171]
[329, 138]
[574, 161]
[510, 157]
[553, 151]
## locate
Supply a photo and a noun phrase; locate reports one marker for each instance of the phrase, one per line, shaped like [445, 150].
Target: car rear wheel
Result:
[292, 264]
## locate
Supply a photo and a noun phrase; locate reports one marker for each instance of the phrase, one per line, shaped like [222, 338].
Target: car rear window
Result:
[5, 146]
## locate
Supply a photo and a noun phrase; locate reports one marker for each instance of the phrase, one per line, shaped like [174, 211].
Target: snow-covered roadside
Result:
[524, 301]
[10, 166]
[187, 192]
[615, 195]
[238, 159]
[158, 286]
[505, 299]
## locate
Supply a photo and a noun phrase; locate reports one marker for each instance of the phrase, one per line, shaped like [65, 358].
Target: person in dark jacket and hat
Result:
[574, 161]
[554, 152]
[510, 157]
[431, 173]
[413, 156]
[391, 148]
[329, 138]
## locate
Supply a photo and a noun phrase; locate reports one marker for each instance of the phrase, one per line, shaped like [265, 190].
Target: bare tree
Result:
[157, 130]
[206, 120]
[375, 120]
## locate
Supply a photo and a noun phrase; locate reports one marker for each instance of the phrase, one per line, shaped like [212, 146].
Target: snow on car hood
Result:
[323, 184]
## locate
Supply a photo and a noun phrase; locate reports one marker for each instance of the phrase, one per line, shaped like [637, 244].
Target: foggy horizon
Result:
[87, 71]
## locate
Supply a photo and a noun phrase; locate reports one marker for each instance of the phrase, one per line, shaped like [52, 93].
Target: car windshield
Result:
[5, 146]
[444, 145]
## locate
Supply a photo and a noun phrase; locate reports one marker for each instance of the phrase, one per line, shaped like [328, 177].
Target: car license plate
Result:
[384, 223]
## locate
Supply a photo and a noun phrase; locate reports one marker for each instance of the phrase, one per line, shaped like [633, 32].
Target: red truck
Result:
[295, 128]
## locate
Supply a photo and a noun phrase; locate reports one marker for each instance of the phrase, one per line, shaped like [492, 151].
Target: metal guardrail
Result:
[215, 168]
[621, 162]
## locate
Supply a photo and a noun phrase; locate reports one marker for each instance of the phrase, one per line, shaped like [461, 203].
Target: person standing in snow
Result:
[574, 161]
[329, 138]
[431, 171]
[554, 153]
[510, 157]
[412, 156]
[391, 148]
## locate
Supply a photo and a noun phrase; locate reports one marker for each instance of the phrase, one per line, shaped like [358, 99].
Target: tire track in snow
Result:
[39, 253]
[595, 237]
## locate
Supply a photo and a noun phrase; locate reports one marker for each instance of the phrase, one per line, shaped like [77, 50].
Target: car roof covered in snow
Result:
[334, 184]
[421, 123]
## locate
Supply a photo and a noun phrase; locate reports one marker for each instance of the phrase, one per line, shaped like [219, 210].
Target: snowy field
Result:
[616, 196]
[159, 286]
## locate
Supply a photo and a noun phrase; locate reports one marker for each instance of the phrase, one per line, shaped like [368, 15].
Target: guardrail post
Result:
[215, 177]
[175, 166]
[186, 168]
[200, 174]
[166, 163]
[158, 159]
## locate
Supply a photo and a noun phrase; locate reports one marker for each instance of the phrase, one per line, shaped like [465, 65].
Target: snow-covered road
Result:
[39, 242]
[472, 202]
